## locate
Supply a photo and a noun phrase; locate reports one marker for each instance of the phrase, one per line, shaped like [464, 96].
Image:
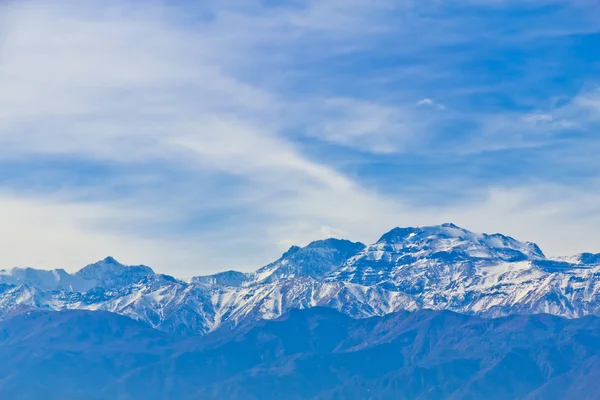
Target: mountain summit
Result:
[110, 273]
[451, 239]
[439, 252]
[316, 260]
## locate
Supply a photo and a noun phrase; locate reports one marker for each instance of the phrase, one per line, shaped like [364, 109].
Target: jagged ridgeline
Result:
[440, 267]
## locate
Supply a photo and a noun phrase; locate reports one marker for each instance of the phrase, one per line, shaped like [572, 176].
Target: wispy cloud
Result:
[183, 135]
[135, 88]
[365, 125]
[429, 102]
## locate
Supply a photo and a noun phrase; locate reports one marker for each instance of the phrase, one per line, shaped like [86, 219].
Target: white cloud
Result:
[122, 86]
[521, 130]
[429, 102]
[48, 234]
[118, 84]
[586, 105]
[365, 125]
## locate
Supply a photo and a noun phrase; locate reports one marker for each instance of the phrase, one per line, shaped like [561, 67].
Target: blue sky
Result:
[199, 136]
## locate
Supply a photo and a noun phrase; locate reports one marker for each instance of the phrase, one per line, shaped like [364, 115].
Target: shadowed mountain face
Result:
[441, 267]
[307, 354]
[72, 354]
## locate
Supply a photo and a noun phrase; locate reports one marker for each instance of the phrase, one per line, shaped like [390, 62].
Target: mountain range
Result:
[441, 267]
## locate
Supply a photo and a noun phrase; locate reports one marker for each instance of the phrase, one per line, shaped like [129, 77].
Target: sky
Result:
[195, 137]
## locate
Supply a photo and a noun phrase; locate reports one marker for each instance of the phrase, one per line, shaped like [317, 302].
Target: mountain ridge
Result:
[314, 353]
[442, 267]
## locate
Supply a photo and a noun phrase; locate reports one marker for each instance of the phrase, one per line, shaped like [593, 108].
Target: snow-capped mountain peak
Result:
[431, 253]
[316, 260]
[453, 241]
[109, 273]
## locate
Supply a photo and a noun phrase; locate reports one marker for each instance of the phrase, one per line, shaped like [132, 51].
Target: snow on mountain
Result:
[273, 300]
[110, 273]
[410, 257]
[315, 260]
[57, 279]
[449, 242]
[437, 267]
[581, 259]
[447, 267]
[227, 278]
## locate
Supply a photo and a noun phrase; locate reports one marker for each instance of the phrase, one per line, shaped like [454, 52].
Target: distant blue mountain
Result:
[317, 353]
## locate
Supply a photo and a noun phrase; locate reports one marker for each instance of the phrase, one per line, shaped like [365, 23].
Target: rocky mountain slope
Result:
[440, 267]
